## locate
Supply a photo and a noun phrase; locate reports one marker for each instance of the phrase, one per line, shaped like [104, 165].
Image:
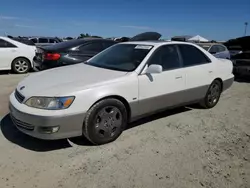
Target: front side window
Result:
[121, 57]
[52, 41]
[6, 44]
[166, 56]
[192, 56]
[43, 40]
[34, 40]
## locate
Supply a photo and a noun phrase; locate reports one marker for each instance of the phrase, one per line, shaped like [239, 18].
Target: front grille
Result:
[19, 96]
[22, 125]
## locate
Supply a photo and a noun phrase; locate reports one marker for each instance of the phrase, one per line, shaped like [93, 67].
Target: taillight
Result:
[52, 56]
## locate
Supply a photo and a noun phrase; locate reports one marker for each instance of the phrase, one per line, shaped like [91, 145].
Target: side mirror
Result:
[154, 69]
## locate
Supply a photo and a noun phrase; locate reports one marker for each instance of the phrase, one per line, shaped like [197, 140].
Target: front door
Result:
[165, 89]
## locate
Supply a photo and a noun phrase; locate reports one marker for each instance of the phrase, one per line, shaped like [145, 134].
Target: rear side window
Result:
[43, 40]
[192, 56]
[93, 47]
[166, 56]
[6, 44]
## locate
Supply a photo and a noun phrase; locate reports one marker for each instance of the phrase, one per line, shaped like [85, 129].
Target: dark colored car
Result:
[77, 51]
[241, 60]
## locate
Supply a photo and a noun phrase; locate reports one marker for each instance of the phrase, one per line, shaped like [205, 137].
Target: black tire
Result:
[95, 133]
[210, 101]
[20, 65]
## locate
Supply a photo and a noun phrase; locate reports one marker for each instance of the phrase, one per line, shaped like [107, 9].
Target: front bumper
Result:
[38, 125]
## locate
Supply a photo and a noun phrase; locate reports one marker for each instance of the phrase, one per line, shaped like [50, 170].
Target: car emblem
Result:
[21, 88]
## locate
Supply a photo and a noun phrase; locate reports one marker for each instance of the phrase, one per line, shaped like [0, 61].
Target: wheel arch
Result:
[221, 82]
[22, 58]
[120, 98]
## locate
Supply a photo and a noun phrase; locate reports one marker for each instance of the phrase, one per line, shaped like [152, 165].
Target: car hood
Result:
[65, 80]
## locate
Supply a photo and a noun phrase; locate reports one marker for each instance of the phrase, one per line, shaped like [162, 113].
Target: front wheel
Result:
[213, 95]
[105, 121]
[21, 65]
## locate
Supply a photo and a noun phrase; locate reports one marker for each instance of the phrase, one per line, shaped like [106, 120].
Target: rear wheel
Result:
[213, 95]
[105, 121]
[21, 65]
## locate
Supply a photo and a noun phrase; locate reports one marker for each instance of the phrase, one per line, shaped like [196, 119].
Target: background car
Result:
[16, 56]
[45, 41]
[241, 60]
[218, 50]
[78, 50]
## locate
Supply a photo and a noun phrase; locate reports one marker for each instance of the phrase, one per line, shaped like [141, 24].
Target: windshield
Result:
[204, 46]
[121, 57]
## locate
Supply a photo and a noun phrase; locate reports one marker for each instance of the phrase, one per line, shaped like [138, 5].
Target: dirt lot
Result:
[182, 148]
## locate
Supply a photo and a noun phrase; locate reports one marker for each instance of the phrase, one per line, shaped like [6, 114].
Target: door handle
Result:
[210, 71]
[178, 77]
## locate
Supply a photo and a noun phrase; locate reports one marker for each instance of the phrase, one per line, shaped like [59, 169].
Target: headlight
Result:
[50, 103]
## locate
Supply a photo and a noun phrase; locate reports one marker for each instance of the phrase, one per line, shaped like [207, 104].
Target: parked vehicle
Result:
[77, 51]
[218, 50]
[125, 82]
[69, 52]
[45, 41]
[24, 41]
[15, 56]
[233, 46]
[241, 60]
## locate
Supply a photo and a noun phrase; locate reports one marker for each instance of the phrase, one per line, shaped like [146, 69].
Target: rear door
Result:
[199, 72]
[8, 53]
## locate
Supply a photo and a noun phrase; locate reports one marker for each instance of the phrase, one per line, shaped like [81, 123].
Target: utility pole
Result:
[245, 33]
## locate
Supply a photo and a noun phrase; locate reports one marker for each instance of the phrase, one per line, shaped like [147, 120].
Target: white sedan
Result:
[129, 80]
[15, 55]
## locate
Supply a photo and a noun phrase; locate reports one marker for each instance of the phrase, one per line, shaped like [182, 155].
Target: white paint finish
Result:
[200, 75]
[160, 84]
[90, 84]
[7, 55]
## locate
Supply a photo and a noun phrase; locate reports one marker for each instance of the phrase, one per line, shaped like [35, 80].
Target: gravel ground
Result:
[182, 148]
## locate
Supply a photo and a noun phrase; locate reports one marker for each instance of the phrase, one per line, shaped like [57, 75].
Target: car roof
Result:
[157, 42]
[210, 44]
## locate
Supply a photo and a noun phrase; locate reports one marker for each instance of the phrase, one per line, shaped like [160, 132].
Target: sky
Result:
[213, 19]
